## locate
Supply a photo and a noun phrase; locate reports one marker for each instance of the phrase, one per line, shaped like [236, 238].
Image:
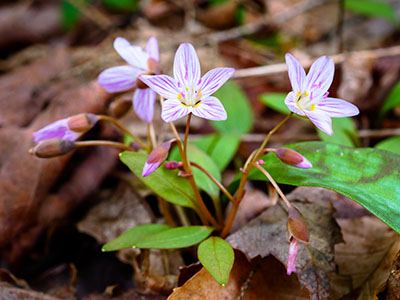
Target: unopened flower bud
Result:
[82, 122]
[297, 227]
[68, 129]
[173, 165]
[120, 107]
[156, 158]
[52, 147]
[293, 158]
[154, 66]
[260, 162]
[293, 249]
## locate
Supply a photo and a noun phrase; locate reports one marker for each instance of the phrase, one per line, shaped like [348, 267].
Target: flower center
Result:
[190, 97]
[304, 101]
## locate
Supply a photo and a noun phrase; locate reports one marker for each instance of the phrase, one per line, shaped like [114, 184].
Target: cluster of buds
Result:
[58, 138]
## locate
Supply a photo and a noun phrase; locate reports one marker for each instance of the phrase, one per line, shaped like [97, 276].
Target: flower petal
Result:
[210, 108]
[152, 48]
[320, 76]
[118, 79]
[149, 168]
[133, 55]
[161, 84]
[57, 129]
[297, 75]
[321, 120]
[186, 66]
[143, 104]
[214, 79]
[290, 102]
[337, 108]
[173, 109]
[293, 249]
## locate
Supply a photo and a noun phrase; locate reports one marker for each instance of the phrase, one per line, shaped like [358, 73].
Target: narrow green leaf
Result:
[69, 15]
[344, 133]
[221, 148]
[217, 256]
[276, 101]
[173, 238]
[344, 130]
[368, 176]
[392, 100]
[237, 106]
[372, 8]
[391, 144]
[200, 157]
[163, 182]
[121, 5]
[130, 237]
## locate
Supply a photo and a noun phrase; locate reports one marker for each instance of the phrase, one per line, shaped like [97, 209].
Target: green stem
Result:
[121, 146]
[124, 129]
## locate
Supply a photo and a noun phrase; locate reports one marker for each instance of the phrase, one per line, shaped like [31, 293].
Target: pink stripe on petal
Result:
[152, 48]
[118, 79]
[320, 76]
[186, 65]
[214, 79]
[290, 102]
[321, 120]
[297, 75]
[149, 168]
[133, 55]
[210, 108]
[143, 104]
[161, 84]
[338, 108]
[172, 109]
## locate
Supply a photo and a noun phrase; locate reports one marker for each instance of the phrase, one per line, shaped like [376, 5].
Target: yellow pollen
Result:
[306, 94]
[184, 105]
[186, 89]
[197, 104]
[298, 94]
[199, 94]
[179, 96]
[312, 106]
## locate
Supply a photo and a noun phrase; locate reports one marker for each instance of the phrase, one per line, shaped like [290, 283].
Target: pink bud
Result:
[293, 248]
[260, 162]
[173, 165]
[156, 158]
[292, 158]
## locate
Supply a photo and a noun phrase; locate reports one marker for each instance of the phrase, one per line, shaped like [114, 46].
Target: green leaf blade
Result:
[392, 100]
[217, 256]
[391, 144]
[240, 115]
[221, 148]
[372, 8]
[130, 237]
[174, 238]
[368, 176]
[165, 183]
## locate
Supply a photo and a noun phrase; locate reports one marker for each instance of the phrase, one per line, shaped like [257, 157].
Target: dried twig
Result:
[279, 19]
[338, 59]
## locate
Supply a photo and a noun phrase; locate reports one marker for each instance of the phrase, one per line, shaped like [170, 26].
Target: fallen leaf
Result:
[261, 279]
[365, 258]
[267, 235]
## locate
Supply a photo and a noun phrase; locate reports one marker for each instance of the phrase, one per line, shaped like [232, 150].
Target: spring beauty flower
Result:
[123, 78]
[309, 97]
[67, 129]
[187, 92]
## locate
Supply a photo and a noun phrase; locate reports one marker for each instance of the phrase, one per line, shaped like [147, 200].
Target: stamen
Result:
[312, 107]
[197, 104]
[298, 94]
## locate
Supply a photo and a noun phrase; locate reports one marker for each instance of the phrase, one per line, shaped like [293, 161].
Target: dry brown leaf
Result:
[365, 259]
[393, 283]
[267, 235]
[262, 279]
